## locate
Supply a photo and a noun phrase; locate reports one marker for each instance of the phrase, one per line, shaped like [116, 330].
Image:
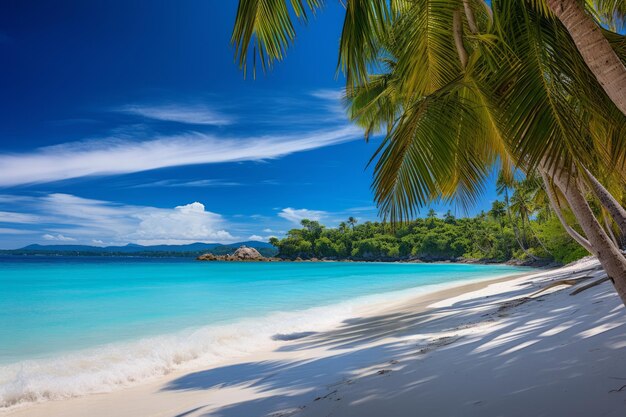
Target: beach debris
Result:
[507, 305]
[436, 343]
[423, 350]
[345, 381]
[559, 283]
[446, 340]
[326, 396]
[568, 282]
[590, 285]
[383, 371]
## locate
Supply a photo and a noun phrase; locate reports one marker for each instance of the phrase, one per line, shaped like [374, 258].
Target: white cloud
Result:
[194, 183]
[96, 221]
[189, 114]
[328, 94]
[333, 101]
[260, 238]
[12, 217]
[79, 159]
[186, 223]
[11, 231]
[58, 237]
[297, 215]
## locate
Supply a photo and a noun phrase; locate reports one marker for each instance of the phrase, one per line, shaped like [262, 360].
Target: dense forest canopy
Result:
[520, 227]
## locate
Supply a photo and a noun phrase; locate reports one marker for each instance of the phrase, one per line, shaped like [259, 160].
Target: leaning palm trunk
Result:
[520, 240]
[559, 214]
[514, 226]
[539, 241]
[594, 48]
[601, 245]
[609, 230]
[615, 209]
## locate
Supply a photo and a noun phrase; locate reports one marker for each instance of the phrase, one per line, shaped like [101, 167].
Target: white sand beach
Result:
[482, 349]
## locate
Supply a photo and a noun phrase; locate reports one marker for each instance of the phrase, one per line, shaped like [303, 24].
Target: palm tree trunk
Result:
[615, 209]
[514, 226]
[457, 31]
[559, 214]
[524, 237]
[471, 19]
[594, 48]
[539, 241]
[609, 230]
[611, 259]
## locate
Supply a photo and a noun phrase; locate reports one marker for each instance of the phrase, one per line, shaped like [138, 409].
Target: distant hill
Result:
[192, 249]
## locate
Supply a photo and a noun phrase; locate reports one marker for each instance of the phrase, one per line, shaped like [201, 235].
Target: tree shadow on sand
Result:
[516, 334]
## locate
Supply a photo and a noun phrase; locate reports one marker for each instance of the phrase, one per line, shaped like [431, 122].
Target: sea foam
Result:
[118, 365]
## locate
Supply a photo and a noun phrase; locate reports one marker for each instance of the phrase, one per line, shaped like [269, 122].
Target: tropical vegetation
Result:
[528, 233]
[458, 88]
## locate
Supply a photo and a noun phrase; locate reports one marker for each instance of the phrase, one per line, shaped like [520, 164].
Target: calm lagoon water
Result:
[70, 326]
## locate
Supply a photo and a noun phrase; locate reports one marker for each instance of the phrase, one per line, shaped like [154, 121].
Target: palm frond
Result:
[366, 25]
[428, 59]
[611, 13]
[540, 95]
[267, 26]
[434, 152]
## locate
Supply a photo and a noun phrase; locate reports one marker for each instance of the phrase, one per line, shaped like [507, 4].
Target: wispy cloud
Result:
[113, 156]
[20, 218]
[188, 114]
[65, 218]
[297, 215]
[328, 94]
[194, 183]
[360, 209]
[12, 231]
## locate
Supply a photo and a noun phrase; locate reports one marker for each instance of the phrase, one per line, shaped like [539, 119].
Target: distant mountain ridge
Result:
[134, 249]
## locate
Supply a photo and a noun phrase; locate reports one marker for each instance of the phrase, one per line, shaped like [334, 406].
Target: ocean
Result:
[70, 326]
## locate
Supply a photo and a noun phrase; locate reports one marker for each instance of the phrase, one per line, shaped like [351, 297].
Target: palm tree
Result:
[352, 221]
[522, 206]
[498, 212]
[504, 183]
[460, 87]
[431, 216]
[449, 217]
[592, 44]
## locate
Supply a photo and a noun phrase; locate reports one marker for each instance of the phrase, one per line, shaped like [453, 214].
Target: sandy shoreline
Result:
[465, 350]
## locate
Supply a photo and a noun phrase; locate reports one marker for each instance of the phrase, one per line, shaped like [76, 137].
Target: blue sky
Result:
[127, 121]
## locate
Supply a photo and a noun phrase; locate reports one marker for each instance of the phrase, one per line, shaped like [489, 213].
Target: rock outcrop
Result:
[243, 253]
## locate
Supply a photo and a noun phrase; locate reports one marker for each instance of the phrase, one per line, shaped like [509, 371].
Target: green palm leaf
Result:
[267, 26]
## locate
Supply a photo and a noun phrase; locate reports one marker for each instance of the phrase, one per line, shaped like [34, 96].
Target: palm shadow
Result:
[361, 341]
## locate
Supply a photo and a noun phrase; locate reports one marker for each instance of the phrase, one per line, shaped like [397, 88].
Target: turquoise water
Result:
[68, 321]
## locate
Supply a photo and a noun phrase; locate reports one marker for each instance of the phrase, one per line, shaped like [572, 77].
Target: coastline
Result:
[487, 348]
[417, 298]
[538, 263]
